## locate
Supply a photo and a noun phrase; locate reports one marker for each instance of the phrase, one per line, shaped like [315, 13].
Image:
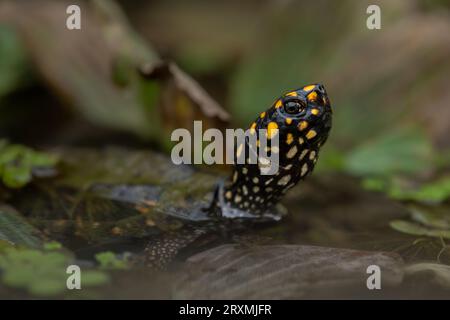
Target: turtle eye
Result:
[294, 107]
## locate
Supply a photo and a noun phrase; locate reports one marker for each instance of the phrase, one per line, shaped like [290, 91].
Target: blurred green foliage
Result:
[434, 191]
[108, 260]
[42, 272]
[399, 151]
[14, 66]
[378, 81]
[374, 136]
[17, 163]
[52, 245]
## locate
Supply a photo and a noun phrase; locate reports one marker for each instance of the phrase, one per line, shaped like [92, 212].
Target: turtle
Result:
[168, 207]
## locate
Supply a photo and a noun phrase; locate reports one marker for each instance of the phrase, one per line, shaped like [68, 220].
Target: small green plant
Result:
[17, 163]
[425, 220]
[42, 272]
[109, 260]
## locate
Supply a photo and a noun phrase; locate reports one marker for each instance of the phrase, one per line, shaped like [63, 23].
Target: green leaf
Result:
[52, 245]
[431, 216]
[42, 273]
[429, 192]
[17, 163]
[13, 62]
[92, 278]
[418, 230]
[16, 177]
[109, 260]
[374, 184]
[402, 151]
[437, 191]
[331, 159]
[47, 287]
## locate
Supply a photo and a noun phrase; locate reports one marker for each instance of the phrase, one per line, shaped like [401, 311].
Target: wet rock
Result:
[282, 272]
[114, 193]
[432, 273]
[16, 230]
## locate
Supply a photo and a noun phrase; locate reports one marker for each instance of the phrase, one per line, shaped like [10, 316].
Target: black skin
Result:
[303, 119]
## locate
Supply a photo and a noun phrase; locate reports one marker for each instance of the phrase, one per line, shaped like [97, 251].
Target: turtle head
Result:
[299, 121]
[303, 120]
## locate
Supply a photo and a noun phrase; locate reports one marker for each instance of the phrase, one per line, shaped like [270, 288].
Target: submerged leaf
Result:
[418, 230]
[431, 216]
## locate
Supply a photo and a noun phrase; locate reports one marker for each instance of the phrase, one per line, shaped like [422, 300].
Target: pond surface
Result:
[125, 201]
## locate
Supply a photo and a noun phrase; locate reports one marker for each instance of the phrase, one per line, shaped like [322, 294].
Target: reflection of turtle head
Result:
[303, 120]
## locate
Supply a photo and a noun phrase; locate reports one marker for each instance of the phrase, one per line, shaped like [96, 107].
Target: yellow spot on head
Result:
[252, 128]
[278, 104]
[312, 96]
[272, 129]
[228, 195]
[292, 94]
[309, 88]
[289, 138]
[315, 111]
[257, 143]
[302, 125]
[288, 120]
[311, 134]
[262, 115]
[300, 140]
